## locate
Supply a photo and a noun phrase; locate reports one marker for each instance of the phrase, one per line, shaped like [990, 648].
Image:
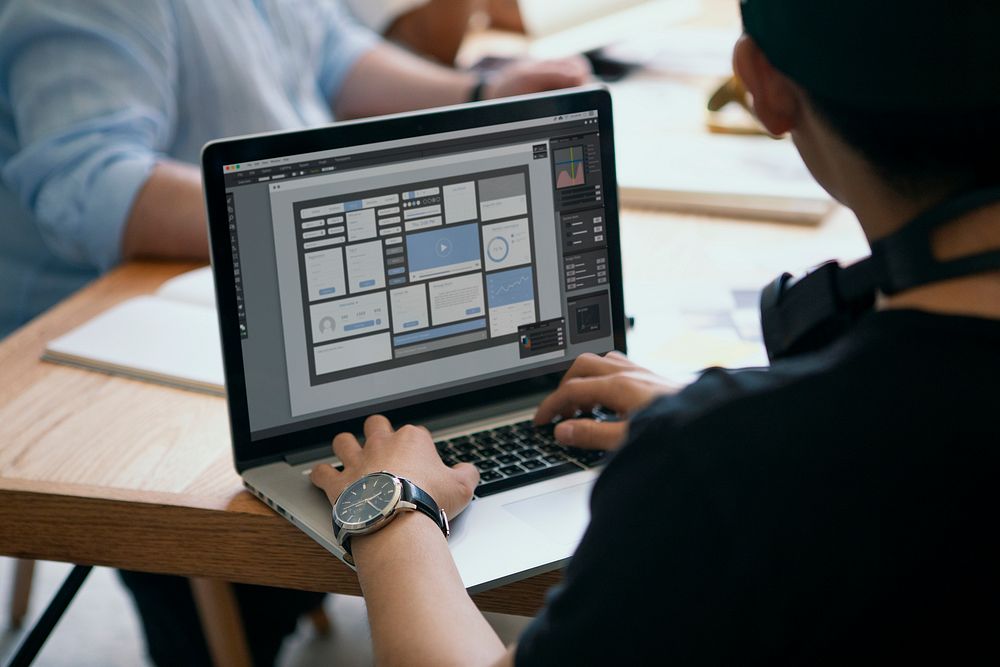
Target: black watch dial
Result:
[367, 499]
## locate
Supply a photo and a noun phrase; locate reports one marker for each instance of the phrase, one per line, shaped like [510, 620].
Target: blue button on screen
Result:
[359, 325]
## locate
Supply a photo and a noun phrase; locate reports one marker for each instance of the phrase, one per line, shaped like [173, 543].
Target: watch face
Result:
[366, 500]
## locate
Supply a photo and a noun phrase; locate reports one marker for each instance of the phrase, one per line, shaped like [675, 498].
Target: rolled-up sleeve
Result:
[91, 90]
[344, 43]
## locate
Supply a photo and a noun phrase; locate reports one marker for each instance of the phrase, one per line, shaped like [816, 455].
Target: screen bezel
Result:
[248, 453]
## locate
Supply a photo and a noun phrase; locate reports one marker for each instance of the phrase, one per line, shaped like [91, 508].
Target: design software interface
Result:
[373, 275]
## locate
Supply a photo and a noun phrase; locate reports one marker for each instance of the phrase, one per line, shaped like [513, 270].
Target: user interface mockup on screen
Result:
[368, 277]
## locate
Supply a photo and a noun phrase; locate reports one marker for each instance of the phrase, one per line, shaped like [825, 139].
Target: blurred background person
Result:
[105, 105]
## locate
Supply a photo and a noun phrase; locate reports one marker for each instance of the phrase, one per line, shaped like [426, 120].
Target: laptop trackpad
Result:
[560, 515]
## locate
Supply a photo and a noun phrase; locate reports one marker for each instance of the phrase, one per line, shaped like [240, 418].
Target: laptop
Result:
[442, 268]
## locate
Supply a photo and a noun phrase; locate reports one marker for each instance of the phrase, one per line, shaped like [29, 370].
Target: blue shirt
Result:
[93, 94]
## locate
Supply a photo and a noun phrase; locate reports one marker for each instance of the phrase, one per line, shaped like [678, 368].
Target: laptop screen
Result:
[373, 276]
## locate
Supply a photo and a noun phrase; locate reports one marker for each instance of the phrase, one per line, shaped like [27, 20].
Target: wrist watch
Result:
[478, 89]
[376, 499]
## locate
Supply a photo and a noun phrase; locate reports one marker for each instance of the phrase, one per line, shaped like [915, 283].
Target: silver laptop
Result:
[442, 268]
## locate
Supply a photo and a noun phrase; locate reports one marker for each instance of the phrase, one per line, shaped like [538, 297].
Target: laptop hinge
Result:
[445, 422]
[309, 454]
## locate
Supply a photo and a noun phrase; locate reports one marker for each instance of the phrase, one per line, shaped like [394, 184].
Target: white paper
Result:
[565, 27]
[681, 166]
[680, 51]
[195, 287]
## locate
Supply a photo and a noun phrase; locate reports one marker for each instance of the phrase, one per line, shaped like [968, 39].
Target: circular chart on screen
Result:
[498, 248]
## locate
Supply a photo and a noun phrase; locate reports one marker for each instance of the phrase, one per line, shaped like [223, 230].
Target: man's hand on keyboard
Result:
[408, 452]
[612, 383]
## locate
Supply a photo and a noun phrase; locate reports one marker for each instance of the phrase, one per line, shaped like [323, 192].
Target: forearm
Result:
[419, 611]
[390, 80]
[167, 219]
[437, 29]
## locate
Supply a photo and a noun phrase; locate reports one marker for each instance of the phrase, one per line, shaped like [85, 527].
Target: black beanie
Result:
[885, 55]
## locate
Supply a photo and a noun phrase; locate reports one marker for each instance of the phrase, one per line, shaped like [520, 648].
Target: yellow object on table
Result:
[729, 110]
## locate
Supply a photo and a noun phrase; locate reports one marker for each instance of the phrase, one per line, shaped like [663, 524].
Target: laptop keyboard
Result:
[511, 456]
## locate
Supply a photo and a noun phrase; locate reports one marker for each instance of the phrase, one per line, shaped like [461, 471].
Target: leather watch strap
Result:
[424, 503]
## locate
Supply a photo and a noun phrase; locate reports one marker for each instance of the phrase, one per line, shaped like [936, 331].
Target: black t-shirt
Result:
[839, 506]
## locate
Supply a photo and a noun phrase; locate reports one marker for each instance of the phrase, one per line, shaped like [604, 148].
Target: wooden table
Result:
[109, 471]
[103, 470]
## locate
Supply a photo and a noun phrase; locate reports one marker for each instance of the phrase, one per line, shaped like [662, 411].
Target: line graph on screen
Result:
[513, 286]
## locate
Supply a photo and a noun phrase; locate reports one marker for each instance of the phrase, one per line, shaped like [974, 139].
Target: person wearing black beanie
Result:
[837, 506]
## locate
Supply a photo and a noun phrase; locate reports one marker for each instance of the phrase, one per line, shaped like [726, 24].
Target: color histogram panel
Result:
[570, 167]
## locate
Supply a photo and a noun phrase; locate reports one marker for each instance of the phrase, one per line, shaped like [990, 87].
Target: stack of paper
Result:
[725, 175]
[666, 159]
[559, 28]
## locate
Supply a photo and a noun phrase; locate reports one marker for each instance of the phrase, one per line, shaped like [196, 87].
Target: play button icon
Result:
[444, 247]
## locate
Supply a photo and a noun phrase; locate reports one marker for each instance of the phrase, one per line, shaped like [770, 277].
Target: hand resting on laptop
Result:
[593, 384]
[408, 452]
[612, 382]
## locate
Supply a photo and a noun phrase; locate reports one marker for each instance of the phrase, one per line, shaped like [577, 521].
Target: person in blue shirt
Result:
[105, 105]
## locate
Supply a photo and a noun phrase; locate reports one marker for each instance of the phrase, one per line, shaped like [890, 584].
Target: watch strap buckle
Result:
[445, 524]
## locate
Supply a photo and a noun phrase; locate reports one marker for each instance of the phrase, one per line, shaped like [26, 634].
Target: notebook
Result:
[169, 337]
